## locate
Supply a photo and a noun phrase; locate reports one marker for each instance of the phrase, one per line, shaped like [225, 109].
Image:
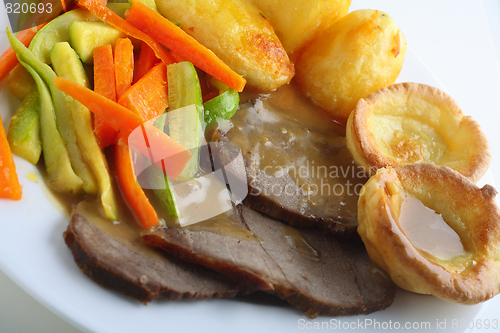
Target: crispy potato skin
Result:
[358, 54]
[296, 21]
[238, 34]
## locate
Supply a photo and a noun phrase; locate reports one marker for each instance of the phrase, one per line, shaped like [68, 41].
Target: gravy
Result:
[296, 241]
[281, 134]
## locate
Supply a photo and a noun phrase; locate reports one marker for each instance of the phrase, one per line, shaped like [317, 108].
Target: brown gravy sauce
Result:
[127, 228]
[296, 241]
[282, 133]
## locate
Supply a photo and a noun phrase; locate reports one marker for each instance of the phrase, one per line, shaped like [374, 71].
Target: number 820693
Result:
[18, 8]
[474, 324]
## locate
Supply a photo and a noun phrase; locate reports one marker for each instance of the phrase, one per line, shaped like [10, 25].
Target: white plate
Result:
[33, 254]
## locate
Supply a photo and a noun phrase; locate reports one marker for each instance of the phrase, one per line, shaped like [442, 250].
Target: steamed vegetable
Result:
[148, 97]
[85, 37]
[125, 122]
[105, 14]
[147, 59]
[160, 183]
[223, 106]
[134, 195]
[72, 69]
[121, 119]
[60, 174]
[185, 112]
[20, 82]
[9, 183]
[24, 129]
[8, 60]
[104, 84]
[124, 65]
[57, 31]
[64, 122]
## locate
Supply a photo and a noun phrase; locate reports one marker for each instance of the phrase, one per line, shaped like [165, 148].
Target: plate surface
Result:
[33, 253]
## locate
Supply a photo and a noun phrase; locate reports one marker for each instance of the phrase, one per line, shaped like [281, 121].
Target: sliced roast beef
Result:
[315, 272]
[298, 166]
[116, 257]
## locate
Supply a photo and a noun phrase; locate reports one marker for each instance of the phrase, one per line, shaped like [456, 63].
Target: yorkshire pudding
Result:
[415, 123]
[433, 230]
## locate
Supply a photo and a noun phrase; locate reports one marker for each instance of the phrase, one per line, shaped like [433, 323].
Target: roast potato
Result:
[358, 54]
[238, 34]
[296, 21]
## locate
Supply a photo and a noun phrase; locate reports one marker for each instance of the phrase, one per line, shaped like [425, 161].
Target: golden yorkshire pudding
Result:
[433, 230]
[415, 123]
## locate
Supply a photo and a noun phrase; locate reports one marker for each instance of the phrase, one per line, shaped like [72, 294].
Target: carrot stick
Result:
[104, 84]
[147, 60]
[119, 118]
[149, 96]
[8, 60]
[175, 39]
[106, 15]
[9, 183]
[104, 72]
[124, 121]
[134, 195]
[124, 65]
[163, 151]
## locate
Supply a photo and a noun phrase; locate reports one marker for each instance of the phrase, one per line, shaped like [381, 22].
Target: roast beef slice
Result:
[335, 278]
[123, 262]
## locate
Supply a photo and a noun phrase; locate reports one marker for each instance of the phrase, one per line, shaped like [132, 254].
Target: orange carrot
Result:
[175, 39]
[119, 118]
[9, 183]
[147, 60]
[106, 15]
[8, 60]
[166, 153]
[124, 121]
[132, 192]
[149, 96]
[208, 96]
[124, 65]
[104, 72]
[104, 84]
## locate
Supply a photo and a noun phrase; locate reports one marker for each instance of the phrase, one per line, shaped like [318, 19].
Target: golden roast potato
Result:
[296, 21]
[238, 34]
[433, 230]
[358, 54]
